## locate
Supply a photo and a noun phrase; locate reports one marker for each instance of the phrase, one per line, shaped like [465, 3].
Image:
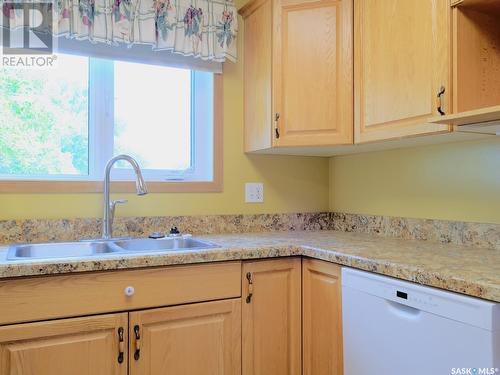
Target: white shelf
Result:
[482, 121]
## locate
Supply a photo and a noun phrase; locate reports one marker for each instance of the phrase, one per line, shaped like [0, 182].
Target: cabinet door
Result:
[313, 72]
[322, 318]
[80, 346]
[257, 74]
[271, 317]
[402, 58]
[198, 339]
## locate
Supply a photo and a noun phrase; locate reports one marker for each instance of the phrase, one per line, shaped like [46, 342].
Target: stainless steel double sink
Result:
[87, 249]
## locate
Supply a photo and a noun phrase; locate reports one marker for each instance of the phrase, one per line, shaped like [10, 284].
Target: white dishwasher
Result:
[393, 327]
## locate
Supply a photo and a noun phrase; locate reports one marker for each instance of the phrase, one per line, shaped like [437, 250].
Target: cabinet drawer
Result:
[30, 299]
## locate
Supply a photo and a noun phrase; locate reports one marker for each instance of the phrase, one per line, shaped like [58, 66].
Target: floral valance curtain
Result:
[205, 29]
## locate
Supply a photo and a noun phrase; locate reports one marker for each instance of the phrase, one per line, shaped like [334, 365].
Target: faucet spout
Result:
[109, 207]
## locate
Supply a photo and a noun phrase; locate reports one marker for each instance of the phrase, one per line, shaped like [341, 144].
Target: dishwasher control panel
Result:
[473, 311]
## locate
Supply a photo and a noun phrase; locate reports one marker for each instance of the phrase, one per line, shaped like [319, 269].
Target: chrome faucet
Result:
[109, 207]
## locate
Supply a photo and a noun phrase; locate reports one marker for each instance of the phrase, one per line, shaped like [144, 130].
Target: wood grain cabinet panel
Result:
[476, 55]
[402, 58]
[271, 317]
[298, 73]
[321, 318]
[197, 339]
[81, 346]
[104, 292]
[257, 75]
[313, 72]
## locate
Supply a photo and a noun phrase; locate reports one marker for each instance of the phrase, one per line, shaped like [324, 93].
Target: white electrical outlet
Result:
[254, 192]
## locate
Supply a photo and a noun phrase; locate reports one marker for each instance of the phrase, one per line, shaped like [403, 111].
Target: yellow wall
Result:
[291, 184]
[459, 181]
[454, 181]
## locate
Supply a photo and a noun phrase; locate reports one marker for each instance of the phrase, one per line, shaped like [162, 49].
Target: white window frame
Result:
[101, 111]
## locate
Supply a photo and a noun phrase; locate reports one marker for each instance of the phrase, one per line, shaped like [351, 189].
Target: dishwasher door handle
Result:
[403, 310]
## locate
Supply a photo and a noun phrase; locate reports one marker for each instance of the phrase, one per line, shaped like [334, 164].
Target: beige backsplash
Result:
[36, 230]
[443, 231]
[460, 233]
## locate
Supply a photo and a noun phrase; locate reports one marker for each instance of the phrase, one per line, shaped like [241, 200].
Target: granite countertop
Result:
[467, 270]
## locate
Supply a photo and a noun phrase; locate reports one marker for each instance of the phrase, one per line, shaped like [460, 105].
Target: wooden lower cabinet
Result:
[197, 339]
[81, 346]
[271, 317]
[321, 318]
[286, 320]
[91, 293]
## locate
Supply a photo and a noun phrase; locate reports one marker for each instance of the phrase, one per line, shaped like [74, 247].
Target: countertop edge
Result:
[401, 271]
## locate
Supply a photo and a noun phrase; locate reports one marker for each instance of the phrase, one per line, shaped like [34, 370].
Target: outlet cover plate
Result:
[254, 192]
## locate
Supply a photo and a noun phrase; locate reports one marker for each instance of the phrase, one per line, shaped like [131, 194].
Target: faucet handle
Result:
[112, 207]
[119, 201]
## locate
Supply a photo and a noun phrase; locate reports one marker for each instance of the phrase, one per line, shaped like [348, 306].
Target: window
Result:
[44, 121]
[64, 124]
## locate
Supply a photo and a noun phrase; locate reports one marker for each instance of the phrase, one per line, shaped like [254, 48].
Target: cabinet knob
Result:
[129, 291]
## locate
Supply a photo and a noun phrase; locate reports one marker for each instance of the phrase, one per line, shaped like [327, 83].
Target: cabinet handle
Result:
[121, 345]
[276, 126]
[250, 287]
[440, 108]
[137, 353]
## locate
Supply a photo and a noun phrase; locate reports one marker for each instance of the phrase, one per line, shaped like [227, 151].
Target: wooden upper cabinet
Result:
[402, 55]
[197, 339]
[476, 61]
[476, 55]
[81, 346]
[257, 74]
[271, 317]
[313, 72]
[321, 318]
[298, 73]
